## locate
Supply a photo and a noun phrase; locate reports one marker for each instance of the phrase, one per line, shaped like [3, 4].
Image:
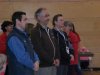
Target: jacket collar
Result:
[42, 27]
[20, 32]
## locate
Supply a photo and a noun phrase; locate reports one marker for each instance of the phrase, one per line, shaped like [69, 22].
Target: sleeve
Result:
[78, 37]
[35, 57]
[17, 48]
[56, 41]
[71, 49]
[73, 37]
[57, 53]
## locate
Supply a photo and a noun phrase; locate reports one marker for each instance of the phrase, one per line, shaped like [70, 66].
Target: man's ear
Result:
[55, 22]
[6, 28]
[17, 20]
[38, 17]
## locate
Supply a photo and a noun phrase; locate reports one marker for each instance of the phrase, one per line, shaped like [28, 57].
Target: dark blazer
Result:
[65, 57]
[45, 45]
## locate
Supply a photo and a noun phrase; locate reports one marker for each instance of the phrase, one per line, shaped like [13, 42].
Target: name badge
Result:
[67, 49]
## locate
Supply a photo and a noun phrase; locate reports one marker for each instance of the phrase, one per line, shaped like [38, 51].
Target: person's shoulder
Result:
[65, 34]
[34, 30]
[12, 35]
[3, 35]
[75, 35]
[72, 34]
[15, 40]
[54, 31]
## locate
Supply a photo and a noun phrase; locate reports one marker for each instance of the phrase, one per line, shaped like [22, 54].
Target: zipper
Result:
[47, 31]
[51, 43]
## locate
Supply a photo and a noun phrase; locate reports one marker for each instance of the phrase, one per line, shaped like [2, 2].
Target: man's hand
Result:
[36, 66]
[72, 57]
[56, 62]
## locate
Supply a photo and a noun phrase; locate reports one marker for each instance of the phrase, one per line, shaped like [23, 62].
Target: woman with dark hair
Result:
[75, 40]
[6, 27]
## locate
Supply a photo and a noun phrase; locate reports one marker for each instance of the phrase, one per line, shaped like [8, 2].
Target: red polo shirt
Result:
[3, 39]
[75, 39]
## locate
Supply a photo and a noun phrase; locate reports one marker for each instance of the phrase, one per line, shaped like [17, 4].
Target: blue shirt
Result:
[17, 47]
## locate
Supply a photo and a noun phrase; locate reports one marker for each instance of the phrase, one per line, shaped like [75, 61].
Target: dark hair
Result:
[70, 24]
[17, 15]
[55, 18]
[5, 24]
[38, 11]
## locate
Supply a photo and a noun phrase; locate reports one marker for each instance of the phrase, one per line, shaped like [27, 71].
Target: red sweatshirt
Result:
[3, 39]
[75, 39]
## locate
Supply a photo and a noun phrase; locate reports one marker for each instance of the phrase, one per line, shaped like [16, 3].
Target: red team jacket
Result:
[75, 39]
[3, 38]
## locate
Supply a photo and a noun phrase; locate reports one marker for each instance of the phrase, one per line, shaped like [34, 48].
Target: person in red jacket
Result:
[75, 40]
[6, 27]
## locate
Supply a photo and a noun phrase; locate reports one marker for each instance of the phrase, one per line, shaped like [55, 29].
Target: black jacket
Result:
[65, 57]
[45, 45]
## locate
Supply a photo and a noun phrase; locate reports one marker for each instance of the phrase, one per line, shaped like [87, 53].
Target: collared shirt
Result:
[22, 56]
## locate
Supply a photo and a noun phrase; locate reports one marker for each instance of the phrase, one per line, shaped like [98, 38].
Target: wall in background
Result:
[84, 13]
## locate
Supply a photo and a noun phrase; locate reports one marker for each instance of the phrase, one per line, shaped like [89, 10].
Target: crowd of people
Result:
[41, 51]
